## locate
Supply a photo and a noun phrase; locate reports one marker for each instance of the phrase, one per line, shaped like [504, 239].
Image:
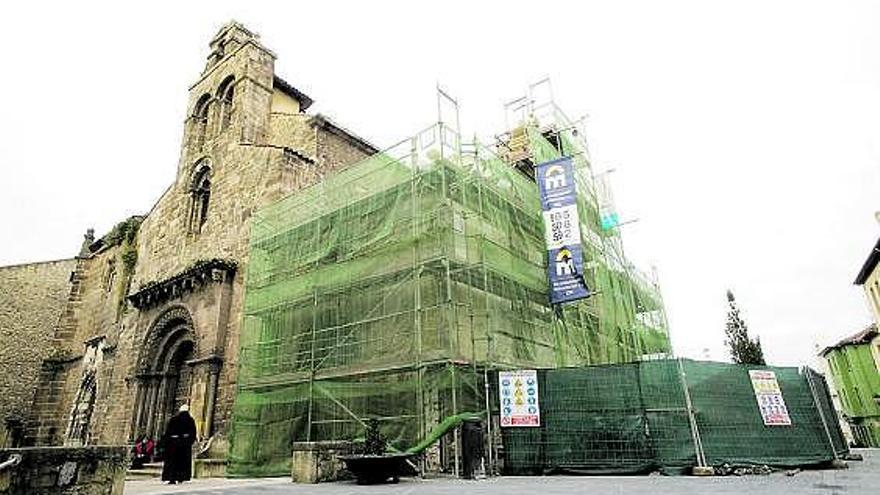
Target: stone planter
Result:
[316, 462]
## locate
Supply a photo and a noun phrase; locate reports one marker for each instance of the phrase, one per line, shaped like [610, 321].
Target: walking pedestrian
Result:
[178, 441]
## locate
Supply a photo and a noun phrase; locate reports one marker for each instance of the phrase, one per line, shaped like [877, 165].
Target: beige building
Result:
[150, 313]
[869, 279]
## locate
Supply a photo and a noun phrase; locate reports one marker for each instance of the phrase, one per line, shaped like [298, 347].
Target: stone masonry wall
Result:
[290, 131]
[336, 152]
[92, 313]
[32, 297]
[65, 471]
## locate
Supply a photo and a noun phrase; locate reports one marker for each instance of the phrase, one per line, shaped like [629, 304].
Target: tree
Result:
[743, 349]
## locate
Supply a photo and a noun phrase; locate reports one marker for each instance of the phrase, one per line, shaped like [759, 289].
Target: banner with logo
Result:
[519, 398]
[769, 397]
[562, 232]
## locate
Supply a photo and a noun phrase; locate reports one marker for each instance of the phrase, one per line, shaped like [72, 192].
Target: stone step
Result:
[140, 475]
[149, 471]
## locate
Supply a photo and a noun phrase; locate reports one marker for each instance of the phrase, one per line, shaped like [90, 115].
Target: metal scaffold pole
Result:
[417, 294]
[815, 395]
[457, 432]
[490, 467]
[695, 430]
[312, 366]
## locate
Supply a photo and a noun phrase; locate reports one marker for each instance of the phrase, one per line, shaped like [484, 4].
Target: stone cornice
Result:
[189, 280]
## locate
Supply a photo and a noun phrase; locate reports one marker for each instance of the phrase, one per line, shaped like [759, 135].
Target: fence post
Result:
[695, 430]
[490, 465]
[809, 374]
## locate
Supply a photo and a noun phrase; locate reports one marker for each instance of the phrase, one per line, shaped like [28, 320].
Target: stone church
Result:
[106, 346]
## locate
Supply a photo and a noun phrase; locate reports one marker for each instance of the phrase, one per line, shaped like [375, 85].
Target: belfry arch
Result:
[165, 373]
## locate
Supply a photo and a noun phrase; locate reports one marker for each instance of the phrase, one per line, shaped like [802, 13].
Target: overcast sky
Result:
[745, 135]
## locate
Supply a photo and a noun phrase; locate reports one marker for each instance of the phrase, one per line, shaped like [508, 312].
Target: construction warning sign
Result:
[769, 397]
[519, 398]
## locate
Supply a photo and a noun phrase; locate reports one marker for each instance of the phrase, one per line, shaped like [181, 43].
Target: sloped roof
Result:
[863, 337]
[869, 264]
[304, 100]
[324, 122]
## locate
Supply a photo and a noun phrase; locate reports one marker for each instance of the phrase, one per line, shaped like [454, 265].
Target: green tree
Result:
[743, 349]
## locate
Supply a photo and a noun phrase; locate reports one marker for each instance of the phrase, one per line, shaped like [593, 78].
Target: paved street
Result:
[860, 478]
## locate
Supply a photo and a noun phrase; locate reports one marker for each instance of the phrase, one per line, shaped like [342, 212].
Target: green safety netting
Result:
[386, 290]
[635, 418]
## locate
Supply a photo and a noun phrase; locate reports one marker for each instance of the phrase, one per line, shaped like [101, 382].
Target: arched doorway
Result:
[165, 373]
[175, 380]
[179, 376]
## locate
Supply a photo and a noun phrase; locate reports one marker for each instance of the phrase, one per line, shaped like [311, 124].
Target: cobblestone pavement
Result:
[861, 478]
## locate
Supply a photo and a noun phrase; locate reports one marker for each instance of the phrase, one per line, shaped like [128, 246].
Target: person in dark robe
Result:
[178, 441]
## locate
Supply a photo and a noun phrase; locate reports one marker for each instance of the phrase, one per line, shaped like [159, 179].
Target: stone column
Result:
[137, 420]
[211, 401]
[195, 392]
[152, 396]
[163, 403]
[204, 392]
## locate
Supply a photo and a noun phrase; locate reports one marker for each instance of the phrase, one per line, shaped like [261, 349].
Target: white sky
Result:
[745, 134]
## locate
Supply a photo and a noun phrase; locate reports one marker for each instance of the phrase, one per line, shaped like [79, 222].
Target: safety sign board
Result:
[769, 397]
[518, 391]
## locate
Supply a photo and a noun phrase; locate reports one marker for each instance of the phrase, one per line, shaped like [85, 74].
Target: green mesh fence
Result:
[730, 423]
[386, 290]
[635, 418]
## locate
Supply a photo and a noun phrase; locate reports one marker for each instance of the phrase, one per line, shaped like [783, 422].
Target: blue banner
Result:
[562, 231]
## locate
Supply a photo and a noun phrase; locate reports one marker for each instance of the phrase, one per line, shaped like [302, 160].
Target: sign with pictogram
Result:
[518, 392]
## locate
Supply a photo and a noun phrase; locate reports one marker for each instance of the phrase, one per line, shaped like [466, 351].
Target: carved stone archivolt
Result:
[175, 323]
[163, 377]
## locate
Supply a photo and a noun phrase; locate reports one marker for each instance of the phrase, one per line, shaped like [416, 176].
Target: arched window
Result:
[225, 94]
[200, 197]
[200, 119]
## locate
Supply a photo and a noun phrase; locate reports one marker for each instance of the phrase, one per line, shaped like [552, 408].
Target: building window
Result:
[858, 395]
[872, 297]
[200, 197]
[225, 95]
[875, 296]
[200, 120]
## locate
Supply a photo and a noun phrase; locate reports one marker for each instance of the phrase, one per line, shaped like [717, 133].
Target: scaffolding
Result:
[390, 289]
